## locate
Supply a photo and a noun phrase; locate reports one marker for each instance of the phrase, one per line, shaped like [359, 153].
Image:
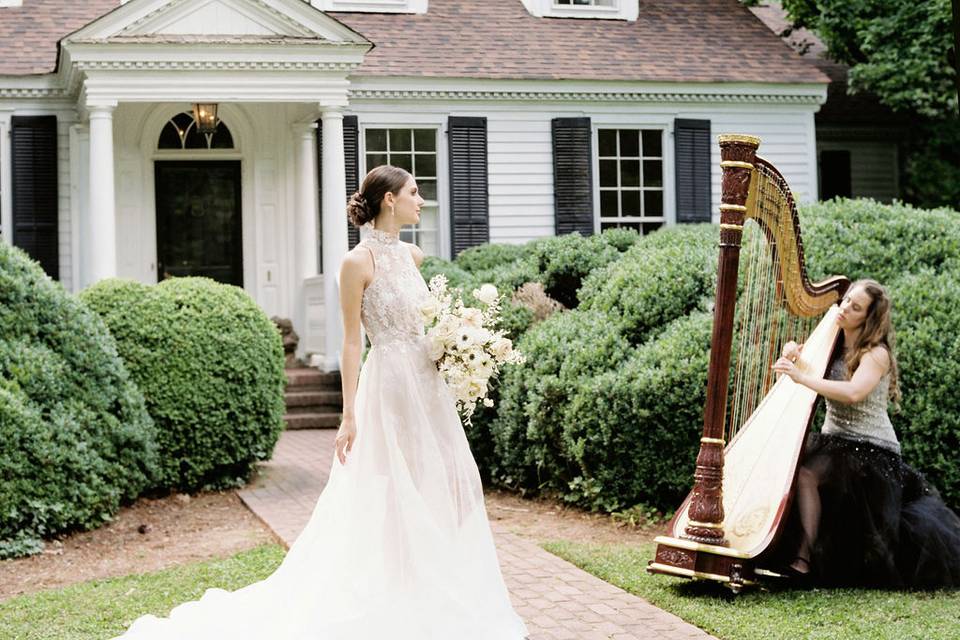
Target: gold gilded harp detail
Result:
[742, 490]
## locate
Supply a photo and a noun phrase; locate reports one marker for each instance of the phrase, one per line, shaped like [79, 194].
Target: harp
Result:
[754, 425]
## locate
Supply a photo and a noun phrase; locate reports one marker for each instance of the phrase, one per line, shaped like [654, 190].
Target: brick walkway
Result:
[557, 600]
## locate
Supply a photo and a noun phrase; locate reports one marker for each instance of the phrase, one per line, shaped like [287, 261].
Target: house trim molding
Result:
[580, 96]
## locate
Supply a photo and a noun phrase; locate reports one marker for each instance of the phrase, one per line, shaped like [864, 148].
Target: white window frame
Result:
[628, 10]
[669, 217]
[440, 128]
[372, 6]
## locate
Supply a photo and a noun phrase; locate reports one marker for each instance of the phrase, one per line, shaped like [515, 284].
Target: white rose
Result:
[501, 348]
[473, 317]
[436, 348]
[486, 294]
[429, 309]
[447, 328]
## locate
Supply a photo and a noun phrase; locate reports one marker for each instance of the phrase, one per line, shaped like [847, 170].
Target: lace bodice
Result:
[390, 307]
[865, 420]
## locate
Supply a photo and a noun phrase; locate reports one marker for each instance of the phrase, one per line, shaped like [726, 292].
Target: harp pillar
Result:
[737, 154]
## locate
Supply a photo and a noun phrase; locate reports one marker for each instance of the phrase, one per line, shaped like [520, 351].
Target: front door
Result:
[198, 220]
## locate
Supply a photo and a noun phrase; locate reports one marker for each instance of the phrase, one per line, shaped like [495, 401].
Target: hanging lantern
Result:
[205, 115]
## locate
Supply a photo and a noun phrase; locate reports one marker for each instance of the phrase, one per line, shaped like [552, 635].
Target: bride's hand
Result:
[345, 437]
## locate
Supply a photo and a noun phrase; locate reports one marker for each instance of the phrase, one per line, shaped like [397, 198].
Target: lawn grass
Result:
[837, 614]
[104, 608]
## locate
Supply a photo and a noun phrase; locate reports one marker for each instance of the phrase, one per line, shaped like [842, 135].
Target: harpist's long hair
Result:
[877, 331]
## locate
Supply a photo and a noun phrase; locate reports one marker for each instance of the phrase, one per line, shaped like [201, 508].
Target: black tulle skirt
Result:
[882, 524]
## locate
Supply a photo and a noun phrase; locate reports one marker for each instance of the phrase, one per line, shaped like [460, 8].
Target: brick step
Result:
[312, 420]
[307, 377]
[299, 397]
[314, 409]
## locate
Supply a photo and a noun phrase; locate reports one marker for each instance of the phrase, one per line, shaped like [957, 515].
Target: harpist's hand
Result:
[345, 437]
[789, 367]
[791, 350]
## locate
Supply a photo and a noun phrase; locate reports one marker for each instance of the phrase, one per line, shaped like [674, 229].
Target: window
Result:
[375, 6]
[585, 3]
[631, 178]
[628, 10]
[835, 174]
[416, 151]
[181, 133]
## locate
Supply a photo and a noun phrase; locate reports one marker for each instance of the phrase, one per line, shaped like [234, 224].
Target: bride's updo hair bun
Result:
[358, 210]
[364, 205]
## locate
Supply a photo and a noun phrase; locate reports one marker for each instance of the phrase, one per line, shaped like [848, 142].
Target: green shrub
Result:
[456, 277]
[620, 239]
[863, 238]
[665, 276]
[564, 261]
[561, 350]
[508, 277]
[75, 437]
[489, 256]
[633, 432]
[210, 365]
[928, 346]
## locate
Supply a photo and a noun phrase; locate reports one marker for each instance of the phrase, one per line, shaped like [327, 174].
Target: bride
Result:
[398, 545]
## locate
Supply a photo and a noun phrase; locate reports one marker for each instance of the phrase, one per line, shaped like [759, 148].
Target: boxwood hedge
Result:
[75, 437]
[210, 365]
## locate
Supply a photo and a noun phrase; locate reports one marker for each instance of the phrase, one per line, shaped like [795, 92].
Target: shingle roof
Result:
[29, 34]
[672, 41]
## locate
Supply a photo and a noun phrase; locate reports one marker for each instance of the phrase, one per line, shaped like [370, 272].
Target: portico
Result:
[273, 79]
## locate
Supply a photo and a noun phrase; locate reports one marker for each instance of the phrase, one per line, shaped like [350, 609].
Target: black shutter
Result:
[469, 196]
[351, 154]
[691, 140]
[33, 150]
[573, 175]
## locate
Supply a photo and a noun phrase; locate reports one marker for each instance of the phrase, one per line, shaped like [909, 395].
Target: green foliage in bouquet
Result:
[210, 365]
[76, 440]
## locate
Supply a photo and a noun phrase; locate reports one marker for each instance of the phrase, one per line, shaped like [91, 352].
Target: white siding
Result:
[520, 149]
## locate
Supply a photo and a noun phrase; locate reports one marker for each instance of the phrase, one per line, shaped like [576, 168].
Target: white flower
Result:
[429, 309]
[473, 317]
[501, 348]
[486, 294]
[436, 348]
[488, 402]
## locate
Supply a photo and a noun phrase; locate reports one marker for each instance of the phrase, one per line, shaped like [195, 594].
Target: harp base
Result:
[688, 559]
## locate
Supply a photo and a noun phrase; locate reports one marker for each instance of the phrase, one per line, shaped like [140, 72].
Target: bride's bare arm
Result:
[355, 273]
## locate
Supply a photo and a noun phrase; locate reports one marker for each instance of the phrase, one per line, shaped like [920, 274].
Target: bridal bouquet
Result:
[464, 344]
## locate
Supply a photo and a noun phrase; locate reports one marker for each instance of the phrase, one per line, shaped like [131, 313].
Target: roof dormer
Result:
[372, 6]
[602, 9]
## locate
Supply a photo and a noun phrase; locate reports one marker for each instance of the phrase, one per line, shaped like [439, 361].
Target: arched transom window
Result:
[181, 133]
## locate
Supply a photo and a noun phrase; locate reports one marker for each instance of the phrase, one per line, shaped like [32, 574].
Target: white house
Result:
[519, 119]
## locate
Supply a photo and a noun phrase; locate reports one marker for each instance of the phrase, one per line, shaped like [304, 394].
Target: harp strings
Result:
[763, 324]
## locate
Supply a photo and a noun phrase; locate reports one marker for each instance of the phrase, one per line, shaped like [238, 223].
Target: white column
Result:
[334, 231]
[6, 180]
[307, 240]
[101, 225]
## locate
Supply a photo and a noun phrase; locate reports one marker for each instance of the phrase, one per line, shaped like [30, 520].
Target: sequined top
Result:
[390, 307]
[866, 420]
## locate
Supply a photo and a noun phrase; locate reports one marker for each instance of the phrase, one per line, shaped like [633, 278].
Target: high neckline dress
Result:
[398, 545]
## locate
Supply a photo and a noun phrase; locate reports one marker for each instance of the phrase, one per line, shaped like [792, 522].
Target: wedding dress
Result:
[398, 545]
